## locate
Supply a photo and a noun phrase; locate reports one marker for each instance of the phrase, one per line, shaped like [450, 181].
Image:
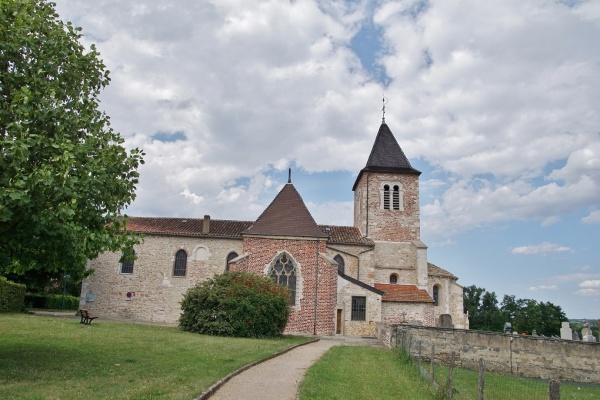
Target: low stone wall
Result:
[526, 356]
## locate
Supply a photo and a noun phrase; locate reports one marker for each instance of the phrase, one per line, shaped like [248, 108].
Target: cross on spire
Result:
[384, 101]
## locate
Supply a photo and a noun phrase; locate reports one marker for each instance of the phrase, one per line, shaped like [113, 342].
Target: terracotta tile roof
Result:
[287, 215]
[345, 235]
[386, 155]
[403, 293]
[187, 226]
[434, 270]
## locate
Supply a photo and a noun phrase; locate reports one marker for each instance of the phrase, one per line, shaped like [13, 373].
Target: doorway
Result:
[338, 326]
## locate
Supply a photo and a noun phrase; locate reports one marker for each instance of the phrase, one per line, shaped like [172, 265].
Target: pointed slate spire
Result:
[386, 155]
[287, 215]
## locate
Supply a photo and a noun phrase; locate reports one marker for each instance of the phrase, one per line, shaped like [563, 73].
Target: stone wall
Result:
[346, 290]
[155, 293]
[397, 312]
[526, 356]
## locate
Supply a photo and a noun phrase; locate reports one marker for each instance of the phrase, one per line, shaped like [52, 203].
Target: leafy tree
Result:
[64, 173]
[236, 304]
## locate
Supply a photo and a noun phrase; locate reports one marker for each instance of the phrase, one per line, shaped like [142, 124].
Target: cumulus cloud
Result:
[543, 248]
[499, 97]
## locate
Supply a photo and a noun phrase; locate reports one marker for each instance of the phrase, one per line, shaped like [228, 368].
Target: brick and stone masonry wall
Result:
[156, 293]
[387, 225]
[306, 253]
[526, 356]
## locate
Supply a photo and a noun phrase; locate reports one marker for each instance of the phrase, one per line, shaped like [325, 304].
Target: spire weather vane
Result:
[384, 100]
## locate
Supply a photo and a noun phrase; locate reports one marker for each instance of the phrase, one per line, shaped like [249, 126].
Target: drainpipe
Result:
[367, 207]
[316, 286]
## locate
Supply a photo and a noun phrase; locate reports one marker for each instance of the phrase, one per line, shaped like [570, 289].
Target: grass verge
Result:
[497, 386]
[45, 357]
[352, 372]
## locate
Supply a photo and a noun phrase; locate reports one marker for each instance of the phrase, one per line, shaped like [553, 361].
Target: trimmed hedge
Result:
[51, 301]
[236, 304]
[12, 296]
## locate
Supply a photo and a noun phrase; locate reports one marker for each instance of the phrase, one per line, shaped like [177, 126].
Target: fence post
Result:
[419, 354]
[450, 377]
[554, 390]
[481, 378]
[432, 362]
[409, 343]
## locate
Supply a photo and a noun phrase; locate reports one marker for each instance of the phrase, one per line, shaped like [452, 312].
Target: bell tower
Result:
[386, 193]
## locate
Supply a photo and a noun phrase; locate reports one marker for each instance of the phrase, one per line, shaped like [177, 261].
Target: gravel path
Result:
[277, 378]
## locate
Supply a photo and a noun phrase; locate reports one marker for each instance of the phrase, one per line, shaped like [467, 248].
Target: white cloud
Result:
[592, 218]
[588, 292]
[543, 248]
[590, 284]
[542, 287]
[491, 94]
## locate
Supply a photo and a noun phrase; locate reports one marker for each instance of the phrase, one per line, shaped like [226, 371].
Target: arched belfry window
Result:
[393, 279]
[392, 196]
[230, 257]
[436, 295]
[180, 264]
[341, 265]
[283, 271]
[386, 197]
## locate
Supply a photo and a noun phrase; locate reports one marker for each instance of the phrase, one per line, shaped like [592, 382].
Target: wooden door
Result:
[338, 327]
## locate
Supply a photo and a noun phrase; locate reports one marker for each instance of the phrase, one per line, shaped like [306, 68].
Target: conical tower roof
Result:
[386, 156]
[287, 215]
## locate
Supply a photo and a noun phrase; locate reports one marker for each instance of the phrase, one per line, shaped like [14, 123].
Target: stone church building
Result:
[341, 279]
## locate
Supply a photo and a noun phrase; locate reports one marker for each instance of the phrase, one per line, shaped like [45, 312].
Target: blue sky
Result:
[495, 102]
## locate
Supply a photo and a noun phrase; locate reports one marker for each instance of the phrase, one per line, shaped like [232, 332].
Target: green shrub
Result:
[236, 304]
[51, 301]
[12, 296]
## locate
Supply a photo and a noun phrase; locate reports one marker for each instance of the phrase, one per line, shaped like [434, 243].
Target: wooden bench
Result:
[86, 318]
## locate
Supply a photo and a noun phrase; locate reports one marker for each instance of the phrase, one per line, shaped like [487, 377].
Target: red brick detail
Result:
[321, 297]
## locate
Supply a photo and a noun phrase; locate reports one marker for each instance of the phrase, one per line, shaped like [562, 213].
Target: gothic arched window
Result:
[230, 257]
[283, 272]
[341, 265]
[180, 264]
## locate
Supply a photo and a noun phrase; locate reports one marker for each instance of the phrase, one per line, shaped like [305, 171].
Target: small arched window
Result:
[393, 279]
[386, 197]
[230, 257]
[180, 264]
[283, 272]
[341, 265]
[127, 261]
[436, 295]
[396, 198]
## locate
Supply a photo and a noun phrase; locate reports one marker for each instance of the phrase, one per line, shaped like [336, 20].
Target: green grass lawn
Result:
[497, 386]
[57, 358]
[356, 373]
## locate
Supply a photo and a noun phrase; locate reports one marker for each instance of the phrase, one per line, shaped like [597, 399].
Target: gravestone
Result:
[534, 333]
[566, 332]
[586, 333]
[446, 321]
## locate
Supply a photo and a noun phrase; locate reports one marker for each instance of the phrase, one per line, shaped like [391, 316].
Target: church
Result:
[341, 279]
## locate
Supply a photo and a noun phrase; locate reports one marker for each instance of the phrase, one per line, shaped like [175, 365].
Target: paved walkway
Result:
[279, 377]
